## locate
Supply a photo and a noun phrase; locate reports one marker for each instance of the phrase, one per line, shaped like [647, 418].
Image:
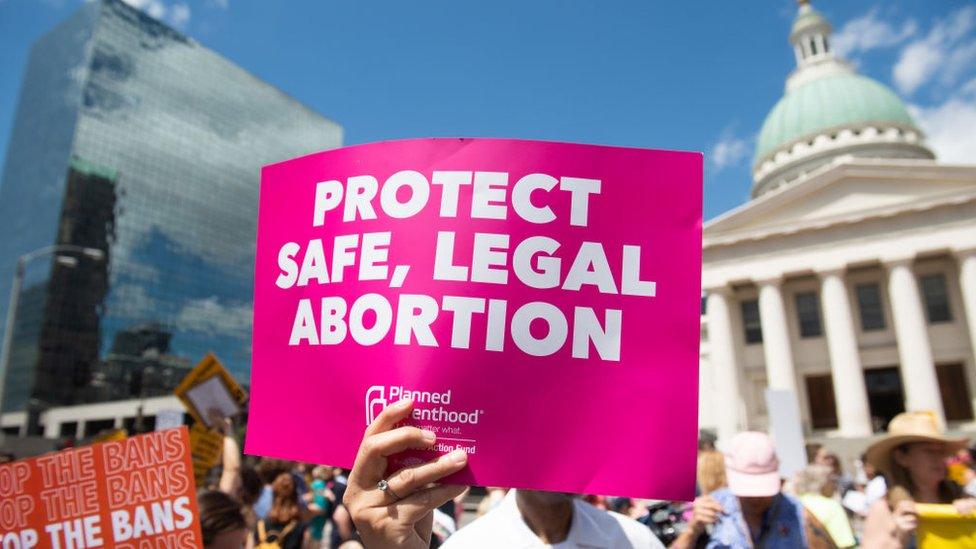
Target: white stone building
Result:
[849, 278]
[88, 420]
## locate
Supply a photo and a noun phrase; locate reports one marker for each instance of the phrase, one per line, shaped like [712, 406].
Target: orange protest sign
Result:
[210, 385]
[136, 493]
[941, 526]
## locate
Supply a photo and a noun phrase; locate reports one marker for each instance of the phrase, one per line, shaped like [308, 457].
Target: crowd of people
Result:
[743, 500]
[270, 503]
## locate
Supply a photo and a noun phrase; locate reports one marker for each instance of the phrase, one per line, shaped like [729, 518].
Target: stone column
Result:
[967, 283]
[914, 350]
[723, 359]
[853, 413]
[51, 428]
[780, 372]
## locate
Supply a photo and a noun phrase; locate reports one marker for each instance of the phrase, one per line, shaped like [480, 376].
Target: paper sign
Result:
[128, 494]
[540, 303]
[168, 419]
[786, 429]
[210, 385]
[941, 526]
[213, 395]
[206, 446]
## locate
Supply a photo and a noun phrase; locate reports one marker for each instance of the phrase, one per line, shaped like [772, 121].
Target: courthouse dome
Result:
[829, 111]
[832, 102]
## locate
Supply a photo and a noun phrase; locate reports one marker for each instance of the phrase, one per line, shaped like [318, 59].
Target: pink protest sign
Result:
[538, 301]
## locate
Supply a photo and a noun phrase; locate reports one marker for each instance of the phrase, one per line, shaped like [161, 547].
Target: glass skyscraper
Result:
[136, 140]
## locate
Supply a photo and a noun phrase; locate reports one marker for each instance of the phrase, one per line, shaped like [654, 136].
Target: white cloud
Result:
[132, 301]
[869, 32]
[918, 62]
[211, 317]
[222, 4]
[179, 15]
[949, 127]
[947, 50]
[960, 59]
[968, 87]
[156, 9]
[729, 150]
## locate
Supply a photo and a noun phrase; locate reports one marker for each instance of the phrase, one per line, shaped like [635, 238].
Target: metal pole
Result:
[8, 333]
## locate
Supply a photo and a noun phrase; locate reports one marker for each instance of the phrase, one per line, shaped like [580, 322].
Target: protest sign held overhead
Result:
[515, 290]
[209, 386]
[168, 419]
[133, 493]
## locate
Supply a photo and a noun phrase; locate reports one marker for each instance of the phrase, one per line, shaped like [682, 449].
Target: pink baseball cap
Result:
[751, 465]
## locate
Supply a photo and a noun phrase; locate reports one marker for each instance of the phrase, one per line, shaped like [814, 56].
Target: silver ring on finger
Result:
[384, 487]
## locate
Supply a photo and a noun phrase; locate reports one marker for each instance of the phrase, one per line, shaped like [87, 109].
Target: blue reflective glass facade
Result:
[134, 139]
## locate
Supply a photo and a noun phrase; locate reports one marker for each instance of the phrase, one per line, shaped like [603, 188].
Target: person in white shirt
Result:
[398, 511]
[528, 518]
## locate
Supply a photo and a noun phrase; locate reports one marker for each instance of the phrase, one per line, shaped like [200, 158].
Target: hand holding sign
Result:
[514, 290]
[402, 514]
[210, 386]
[220, 422]
[905, 518]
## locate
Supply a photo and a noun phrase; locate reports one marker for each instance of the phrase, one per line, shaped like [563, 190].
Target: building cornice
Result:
[834, 141]
[842, 168]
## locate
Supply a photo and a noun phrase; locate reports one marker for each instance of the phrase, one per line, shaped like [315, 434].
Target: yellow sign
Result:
[205, 447]
[941, 526]
[111, 436]
[209, 384]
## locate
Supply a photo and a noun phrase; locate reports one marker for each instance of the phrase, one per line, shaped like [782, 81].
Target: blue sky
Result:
[676, 75]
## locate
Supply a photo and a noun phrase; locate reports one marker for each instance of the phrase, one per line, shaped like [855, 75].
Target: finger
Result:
[411, 509]
[707, 517]
[409, 480]
[712, 506]
[386, 444]
[370, 466]
[390, 416]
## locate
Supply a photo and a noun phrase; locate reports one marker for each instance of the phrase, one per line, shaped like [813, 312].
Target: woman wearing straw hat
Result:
[912, 455]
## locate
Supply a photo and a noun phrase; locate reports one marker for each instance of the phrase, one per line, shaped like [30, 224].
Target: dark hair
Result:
[284, 505]
[812, 448]
[251, 485]
[901, 486]
[269, 469]
[706, 440]
[219, 513]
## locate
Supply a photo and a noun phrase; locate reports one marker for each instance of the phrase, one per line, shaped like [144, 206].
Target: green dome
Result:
[829, 102]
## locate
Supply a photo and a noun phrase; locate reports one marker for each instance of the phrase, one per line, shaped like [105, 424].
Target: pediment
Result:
[847, 192]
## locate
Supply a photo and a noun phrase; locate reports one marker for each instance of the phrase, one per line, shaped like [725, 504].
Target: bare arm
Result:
[706, 511]
[686, 540]
[817, 536]
[230, 477]
[881, 530]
